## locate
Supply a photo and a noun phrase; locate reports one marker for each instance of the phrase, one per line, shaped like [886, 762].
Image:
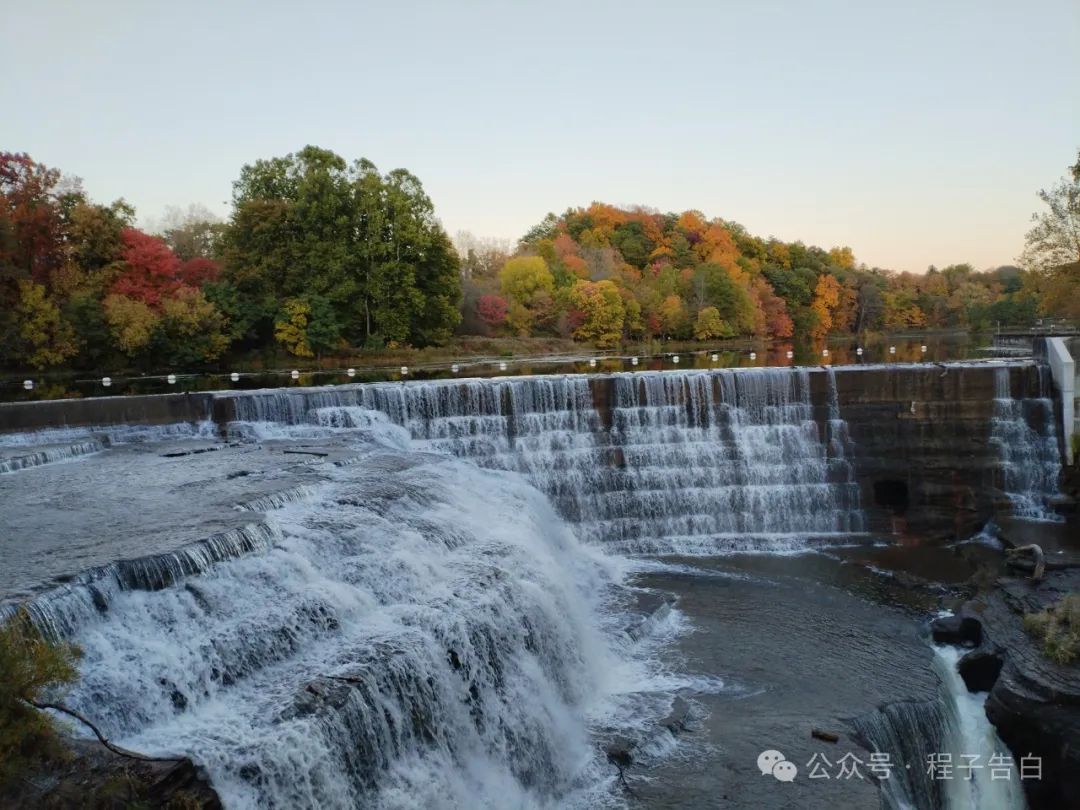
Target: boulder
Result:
[980, 669]
[961, 628]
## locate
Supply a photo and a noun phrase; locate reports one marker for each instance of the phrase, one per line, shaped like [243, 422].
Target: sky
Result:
[917, 133]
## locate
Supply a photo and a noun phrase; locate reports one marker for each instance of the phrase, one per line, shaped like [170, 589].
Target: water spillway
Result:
[649, 462]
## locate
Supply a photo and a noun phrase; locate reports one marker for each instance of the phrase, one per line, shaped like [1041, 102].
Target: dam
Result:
[373, 594]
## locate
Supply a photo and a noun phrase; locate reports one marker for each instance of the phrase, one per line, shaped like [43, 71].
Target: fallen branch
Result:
[97, 733]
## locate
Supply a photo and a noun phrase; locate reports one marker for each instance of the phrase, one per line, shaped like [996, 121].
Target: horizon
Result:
[505, 116]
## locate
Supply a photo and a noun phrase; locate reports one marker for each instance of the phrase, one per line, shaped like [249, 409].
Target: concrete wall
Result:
[159, 409]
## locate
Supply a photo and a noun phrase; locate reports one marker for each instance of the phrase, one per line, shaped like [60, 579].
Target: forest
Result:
[322, 257]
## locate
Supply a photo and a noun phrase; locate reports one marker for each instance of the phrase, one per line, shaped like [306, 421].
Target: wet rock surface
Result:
[95, 777]
[1034, 702]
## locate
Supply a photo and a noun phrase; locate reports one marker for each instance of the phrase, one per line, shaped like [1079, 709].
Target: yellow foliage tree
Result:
[291, 330]
[709, 324]
[826, 299]
[602, 310]
[131, 322]
[45, 338]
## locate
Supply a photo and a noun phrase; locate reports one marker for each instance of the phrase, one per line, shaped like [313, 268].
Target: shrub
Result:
[1058, 628]
[30, 669]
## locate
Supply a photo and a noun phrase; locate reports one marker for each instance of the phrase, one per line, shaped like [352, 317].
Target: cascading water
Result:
[413, 632]
[952, 729]
[1025, 434]
[694, 462]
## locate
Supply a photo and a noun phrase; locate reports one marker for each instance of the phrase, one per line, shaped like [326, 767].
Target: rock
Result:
[94, 776]
[620, 753]
[960, 628]
[980, 669]
[1034, 702]
[678, 719]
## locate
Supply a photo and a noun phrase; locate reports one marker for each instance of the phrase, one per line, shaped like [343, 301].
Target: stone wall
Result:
[920, 443]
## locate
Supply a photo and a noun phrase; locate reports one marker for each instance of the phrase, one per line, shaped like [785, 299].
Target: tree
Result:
[309, 225]
[32, 668]
[826, 299]
[1052, 247]
[291, 328]
[150, 271]
[132, 323]
[43, 338]
[709, 325]
[673, 316]
[307, 326]
[527, 284]
[492, 310]
[191, 233]
[602, 310]
[192, 329]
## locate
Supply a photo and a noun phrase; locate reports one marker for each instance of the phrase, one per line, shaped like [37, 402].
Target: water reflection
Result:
[654, 356]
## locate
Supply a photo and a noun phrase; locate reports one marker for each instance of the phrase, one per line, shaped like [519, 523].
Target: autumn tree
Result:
[492, 310]
[150, 270]
[826, 299]
[1052, 247]
[710, 325]
[602, 312]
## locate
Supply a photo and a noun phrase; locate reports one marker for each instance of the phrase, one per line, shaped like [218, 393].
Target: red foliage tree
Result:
[492, 310]
[27, 194]
[152, 272]
[198, 271]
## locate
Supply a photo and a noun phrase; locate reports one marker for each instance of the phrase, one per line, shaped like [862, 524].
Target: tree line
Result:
[321, 256]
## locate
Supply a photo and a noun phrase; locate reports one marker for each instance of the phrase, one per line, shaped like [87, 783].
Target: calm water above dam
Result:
[484, 593]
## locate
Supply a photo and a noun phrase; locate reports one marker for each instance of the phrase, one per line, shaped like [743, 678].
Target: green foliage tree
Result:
[709, 325]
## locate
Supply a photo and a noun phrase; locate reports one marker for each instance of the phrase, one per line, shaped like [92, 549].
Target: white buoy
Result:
[171, 379]
[455, 368]
[404, 371]
[28, 385]
[753, 355]
[592, 362]
[351, 372]
[715, 357]
[922, 349]
[106, 381]
[234, 377]
[502, 366]
[295, 374]
[790, 355]
[675, 359]
[892, 350]
[633, 361]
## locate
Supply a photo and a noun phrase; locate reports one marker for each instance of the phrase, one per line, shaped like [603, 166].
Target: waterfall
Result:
[414, 631]
[1024, 431]
[49, 456]
[685, 462]
[954, 724]
[974, 736]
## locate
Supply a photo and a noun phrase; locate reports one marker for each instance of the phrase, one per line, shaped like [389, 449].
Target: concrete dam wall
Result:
[933, 450]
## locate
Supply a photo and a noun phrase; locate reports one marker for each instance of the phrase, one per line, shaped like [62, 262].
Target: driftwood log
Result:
[1037, 553]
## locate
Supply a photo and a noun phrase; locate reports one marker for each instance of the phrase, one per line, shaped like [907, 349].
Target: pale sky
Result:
[916, 132]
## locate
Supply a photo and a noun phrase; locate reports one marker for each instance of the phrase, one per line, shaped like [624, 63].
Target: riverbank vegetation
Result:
[322, 257]
[1058, 628]
[30, 667]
